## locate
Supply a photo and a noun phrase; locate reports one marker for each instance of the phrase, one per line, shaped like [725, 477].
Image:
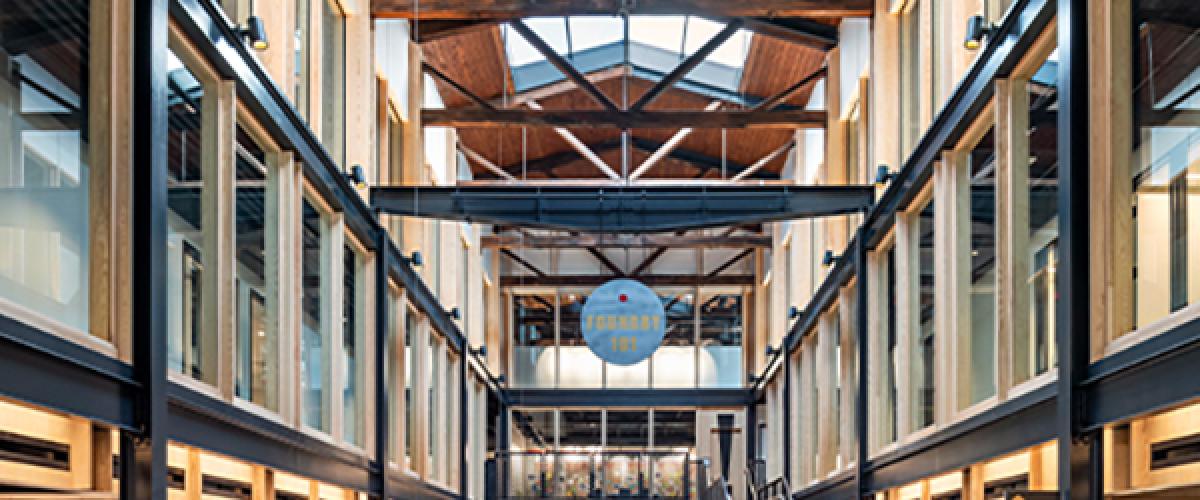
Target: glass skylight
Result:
[552, 30]
[657, 44]
[664, 32]
[593, 31]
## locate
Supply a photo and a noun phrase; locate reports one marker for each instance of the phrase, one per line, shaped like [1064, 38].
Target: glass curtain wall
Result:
[980, 359]
[190, 351]
[1034, 347]
[257, 345]
[702, 345]
[923, 350]
[1165, 166]
[45, 169]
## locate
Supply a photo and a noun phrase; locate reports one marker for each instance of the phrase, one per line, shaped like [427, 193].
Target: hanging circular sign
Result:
[623, 322]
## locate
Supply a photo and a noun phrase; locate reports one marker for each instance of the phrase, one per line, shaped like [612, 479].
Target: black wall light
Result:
[356, 176]
[415, 260]
[830, 258]
[455, 313]
[793, 312]
[884, 175]
[255, 33]
[978, 29]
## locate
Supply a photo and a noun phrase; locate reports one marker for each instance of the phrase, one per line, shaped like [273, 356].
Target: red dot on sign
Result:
[623, 298]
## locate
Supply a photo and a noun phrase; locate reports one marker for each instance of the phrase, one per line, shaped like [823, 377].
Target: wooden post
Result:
[1012, 234]
[218, 333]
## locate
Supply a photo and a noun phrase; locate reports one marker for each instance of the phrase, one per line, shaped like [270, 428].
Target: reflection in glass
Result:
[721, 341]
[924, 348]
[312, 339]
[980, 361]
[44, 228]
[189, 351]
[581, 367]
[1166, 158]
[351, 419]
[533, 341]
[1035, 346]
[410, 329]
[675, 360]
[257, 348]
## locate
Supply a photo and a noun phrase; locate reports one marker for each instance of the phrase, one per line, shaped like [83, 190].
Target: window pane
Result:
[892, 376]
[1035, 345]
[583, 368]
[980, 362]
[44, 237]
[922, 361]
[910, 81]
[721, 341]
[594, 31]
[189, 351]
[301, 56]
[732, 53]
[533, 341]
[675, 360]
[663, 32]
[351, 416]
[410, 329]
[552, 30]
[257, 347]
[312, 339]
[333, 81]
[1166, 170]
[580, 430]
[395, 351]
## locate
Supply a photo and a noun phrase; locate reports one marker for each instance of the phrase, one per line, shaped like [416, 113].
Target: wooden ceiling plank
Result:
[482, 118]
[562, 64]
[687, 65]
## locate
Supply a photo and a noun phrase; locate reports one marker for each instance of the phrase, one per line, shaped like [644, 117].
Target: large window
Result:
[191, 349]
[675, 360]
[910, 79]
[583, 369]
[979, 359]
[44, 175]
[333, 79]
[1166, 158]
[257, 342]
[923, 339]
[351, 352]
[410, 330]
[721, 340]
[313, 380]
[533, 356]
[300, 47]
[1034, 346]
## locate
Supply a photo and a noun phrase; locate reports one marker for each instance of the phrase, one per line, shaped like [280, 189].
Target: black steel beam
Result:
[647, 279]
[200, 420]
[734, 119]
[45, 370]
[623, 241]
[1013, 425]
[620, 208]
[1131, 382]
[732, 397]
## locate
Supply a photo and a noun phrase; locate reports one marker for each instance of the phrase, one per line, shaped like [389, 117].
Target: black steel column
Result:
[464, 417]
[383, 346]
[503, 462]
[144, 455]
[860, 320]
[787, 413]
[1080, 463]
[751, 437]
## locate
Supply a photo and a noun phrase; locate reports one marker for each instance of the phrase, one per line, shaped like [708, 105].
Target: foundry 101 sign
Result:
[623, 322]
